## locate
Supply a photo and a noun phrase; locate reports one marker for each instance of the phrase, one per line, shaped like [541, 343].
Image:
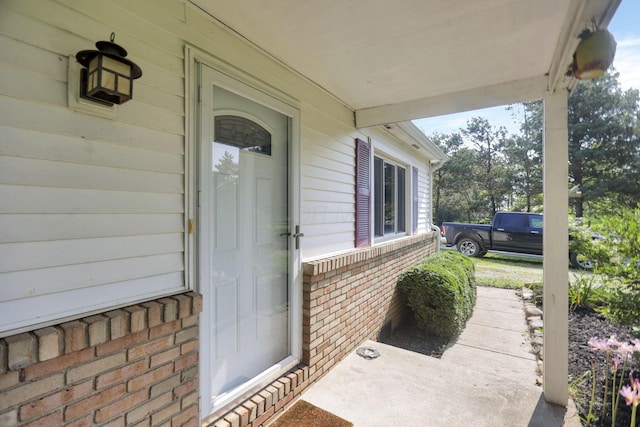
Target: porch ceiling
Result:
[404, 59]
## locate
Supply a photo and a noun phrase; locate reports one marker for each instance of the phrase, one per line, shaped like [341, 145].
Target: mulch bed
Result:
[584, 325]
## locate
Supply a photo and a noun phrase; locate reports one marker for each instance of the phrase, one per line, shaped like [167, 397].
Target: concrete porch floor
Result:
[486, 378]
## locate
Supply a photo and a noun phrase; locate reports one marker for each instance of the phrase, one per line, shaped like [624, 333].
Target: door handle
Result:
[500, 229]
[534, 232]
[297, 235]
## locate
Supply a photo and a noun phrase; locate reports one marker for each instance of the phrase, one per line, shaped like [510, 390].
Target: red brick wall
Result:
[347, 299]
[133, 366]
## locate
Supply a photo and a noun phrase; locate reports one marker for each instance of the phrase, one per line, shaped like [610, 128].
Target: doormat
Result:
[304, 414]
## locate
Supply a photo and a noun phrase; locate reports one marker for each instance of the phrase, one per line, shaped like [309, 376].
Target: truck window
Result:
[511, 222]
[535, 221]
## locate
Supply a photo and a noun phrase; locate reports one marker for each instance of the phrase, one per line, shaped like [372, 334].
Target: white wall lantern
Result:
[108, 76]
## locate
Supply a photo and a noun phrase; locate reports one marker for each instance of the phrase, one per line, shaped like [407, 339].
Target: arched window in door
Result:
[242, 133]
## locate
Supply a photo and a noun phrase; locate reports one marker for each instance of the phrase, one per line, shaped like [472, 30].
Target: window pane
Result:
[243, 133]
[389, 198]
[401, 217]
[378, 197]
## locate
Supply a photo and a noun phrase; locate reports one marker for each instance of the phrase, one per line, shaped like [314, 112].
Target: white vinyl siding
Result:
[328, 182]
[93, 210]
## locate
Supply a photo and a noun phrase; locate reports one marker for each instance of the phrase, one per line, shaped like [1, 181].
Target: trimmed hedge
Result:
[441, 292]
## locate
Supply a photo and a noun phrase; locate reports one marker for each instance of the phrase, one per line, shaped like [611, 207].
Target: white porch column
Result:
[556, 248]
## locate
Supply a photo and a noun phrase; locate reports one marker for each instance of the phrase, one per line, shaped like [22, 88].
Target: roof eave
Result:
[409, 133]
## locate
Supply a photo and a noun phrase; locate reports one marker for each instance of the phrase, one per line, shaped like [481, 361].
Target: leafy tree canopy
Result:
[492, 170]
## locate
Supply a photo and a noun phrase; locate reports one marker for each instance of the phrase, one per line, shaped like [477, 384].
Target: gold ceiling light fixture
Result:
[594, 54]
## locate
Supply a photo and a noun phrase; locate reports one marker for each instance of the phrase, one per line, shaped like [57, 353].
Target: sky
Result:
[625, 28]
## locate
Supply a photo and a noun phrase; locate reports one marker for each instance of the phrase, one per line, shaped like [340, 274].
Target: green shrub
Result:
[616, 262]
[441, 292]
[463, 261]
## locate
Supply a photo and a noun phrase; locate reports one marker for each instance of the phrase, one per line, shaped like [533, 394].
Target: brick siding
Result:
[139, 365]
[133, 366]
[347, 299]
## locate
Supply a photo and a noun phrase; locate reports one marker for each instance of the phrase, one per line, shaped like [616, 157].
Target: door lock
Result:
[297, 235]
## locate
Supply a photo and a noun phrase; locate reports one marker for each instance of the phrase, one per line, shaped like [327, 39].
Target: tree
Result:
[603, 142]
[227, 169]
[454, 184]
[524, 157]
[493, 173]
[490, 169]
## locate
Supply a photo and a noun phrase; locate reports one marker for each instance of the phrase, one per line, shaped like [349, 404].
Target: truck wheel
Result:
[580, 262]
[469, 247]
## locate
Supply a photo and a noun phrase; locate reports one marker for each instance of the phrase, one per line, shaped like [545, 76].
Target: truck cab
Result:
[517, 232]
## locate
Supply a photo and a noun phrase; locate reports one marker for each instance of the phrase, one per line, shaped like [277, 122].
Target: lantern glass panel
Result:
[94, 64]
[108, 80]
[117, 66]
[93, 81]
[124, 86]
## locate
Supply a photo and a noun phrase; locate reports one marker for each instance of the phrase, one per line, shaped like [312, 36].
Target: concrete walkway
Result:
[487, 378]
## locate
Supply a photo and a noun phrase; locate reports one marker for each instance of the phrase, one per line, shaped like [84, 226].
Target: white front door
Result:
[243, 239]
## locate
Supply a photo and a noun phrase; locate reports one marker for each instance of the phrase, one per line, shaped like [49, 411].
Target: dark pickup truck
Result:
[509, 232]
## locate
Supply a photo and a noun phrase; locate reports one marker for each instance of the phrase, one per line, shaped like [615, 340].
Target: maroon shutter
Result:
[363, 193]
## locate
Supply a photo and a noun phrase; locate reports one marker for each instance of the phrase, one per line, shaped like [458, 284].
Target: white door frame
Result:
[255, 90]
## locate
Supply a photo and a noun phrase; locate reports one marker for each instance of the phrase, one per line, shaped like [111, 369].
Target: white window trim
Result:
[377, 153]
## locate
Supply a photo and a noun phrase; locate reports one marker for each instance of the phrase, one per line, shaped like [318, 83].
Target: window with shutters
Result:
[385, 202]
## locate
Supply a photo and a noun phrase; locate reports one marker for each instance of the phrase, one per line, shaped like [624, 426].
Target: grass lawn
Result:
[512, 272]
[502, 271]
